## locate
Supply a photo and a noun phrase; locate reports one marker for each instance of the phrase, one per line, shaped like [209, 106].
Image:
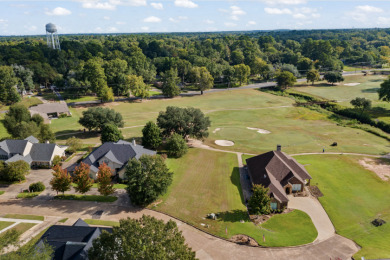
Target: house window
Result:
[274, 205]
[296, 187]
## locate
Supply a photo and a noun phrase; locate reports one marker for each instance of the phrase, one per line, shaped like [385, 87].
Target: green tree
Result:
[242, 72]
[202, 78]
[57, 160]
[259, 202]
[7, 82]
[61, 180]
[176, 146]
[305, 65]
[16, 171]
[137, 86]
[10, 237]
[333, 77]
[81, 178]
[38, 119]
[13, 95]
[312, 76]
[74, 144]
[96, 117]
[30, 252]
[259, 67]
[361, 104]
[384, 90]
[151, 135]
[170, 81]
[105, 187]
[187, 122]
[144, 238]
[285, 79]
[147, 178]
[19, 123]
[25, 76]
[106, 94]
[45, 134]
[115, 71]
[110, 133]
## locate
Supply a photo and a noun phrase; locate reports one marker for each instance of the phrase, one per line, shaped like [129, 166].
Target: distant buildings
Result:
[50, 110]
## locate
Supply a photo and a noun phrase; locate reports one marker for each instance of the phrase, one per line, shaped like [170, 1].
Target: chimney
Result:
[279, 148]
[47, 141]
[133, 142]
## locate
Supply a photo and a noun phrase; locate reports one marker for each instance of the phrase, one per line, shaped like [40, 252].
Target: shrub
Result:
[176, 146]
[36, 187]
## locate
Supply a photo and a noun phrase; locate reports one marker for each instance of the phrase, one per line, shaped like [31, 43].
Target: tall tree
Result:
[361, 104]
[137, 86]
[313, 76]
[7, 82]
[187, 122]
[170, 81]
[147, 178]
[96, 117]
[110, 133]
[81, 178]
[61, 180]
[242, 72]
[144, 238]
[116, 72]
[45, 134]
[259, 202]
[176, 146]
[285, 79]
[15, 171]
[333, 77]
[105, 187]
[202, 78]
[151, 135]
[384, 90]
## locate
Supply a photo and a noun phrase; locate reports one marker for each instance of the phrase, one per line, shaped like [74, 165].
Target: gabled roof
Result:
[13, 146]
[42, 152]
[274, 170]
[80, 223]
[19, 157]
[120, 153]
[32, 139]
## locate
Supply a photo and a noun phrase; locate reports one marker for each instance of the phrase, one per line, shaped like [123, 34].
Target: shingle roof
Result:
[19, 157]
[274, 170]
[120, 152]
[13, 146]
[32, 139]
[80, 223]
[49, 108]
[42, 152]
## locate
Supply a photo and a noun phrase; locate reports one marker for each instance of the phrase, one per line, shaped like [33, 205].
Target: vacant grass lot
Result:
[4, 224]
[367, 88]
[353, 197]
[21, 216]
[208, 182]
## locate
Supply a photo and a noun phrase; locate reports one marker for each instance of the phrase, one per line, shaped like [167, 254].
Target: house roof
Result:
[48, 108]
[274, 170]
[13, 146]
[71, 242]
[32, 139]
[19, 157]
[120, 153]
[42, 152]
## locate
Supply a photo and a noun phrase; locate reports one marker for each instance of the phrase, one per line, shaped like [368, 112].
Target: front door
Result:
[288, 190]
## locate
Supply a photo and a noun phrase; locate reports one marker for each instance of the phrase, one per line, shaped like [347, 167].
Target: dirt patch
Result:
[224, 142]
[260, 131]
[351, 84]
[260, 219]
[315, 191]
[244, 240]
[216, 130]
[381, 167]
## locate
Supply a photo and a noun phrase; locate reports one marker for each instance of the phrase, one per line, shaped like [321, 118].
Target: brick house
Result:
[279, 172]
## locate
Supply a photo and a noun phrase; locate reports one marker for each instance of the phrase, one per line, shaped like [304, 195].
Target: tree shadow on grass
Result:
[370, 90]
[233, 216]
[64, 135]
[235, 179]
[376, 112]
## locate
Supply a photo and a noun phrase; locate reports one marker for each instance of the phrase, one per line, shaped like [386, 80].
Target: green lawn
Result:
[367, 88]
[4, 224]
[116, 186]
[99, 222]
[98, 198]
[63, 220]
[28, 195]
[353, 197]
[20, 228]
[2, 192]
[208, 182]
[21, 216]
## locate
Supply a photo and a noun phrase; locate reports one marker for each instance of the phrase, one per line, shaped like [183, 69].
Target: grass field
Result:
[367, 88]
[2, 192]
[20, 228]
[99, 222]
[116, 186]
[4, 224]
[208, 182]
[353, 197]
[21, 216]
[28, 195]
[97, 198]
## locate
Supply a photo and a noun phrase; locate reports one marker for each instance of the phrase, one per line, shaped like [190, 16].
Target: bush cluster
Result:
[36, 187]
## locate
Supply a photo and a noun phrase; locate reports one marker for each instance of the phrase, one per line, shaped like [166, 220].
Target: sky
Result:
[129, 16]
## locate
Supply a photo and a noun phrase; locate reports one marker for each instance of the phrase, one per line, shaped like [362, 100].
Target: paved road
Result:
[205, 245]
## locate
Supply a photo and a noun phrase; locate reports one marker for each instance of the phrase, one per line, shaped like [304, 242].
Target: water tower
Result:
[52, 37]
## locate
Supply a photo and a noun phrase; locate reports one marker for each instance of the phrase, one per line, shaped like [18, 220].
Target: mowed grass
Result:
[99, 222]
[208, 182]
[368, 88]
[97, 198]
[21, 216]
[4, 224]
[2, 192]
[353, 197]
[297, 129]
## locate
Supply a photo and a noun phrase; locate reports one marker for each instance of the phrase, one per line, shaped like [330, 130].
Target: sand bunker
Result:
[351, 84]
[216, 130]
[381, 169]
[260, 131]
[224, 143]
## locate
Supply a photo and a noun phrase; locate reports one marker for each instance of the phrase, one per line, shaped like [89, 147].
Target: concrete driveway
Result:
[312, 207]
